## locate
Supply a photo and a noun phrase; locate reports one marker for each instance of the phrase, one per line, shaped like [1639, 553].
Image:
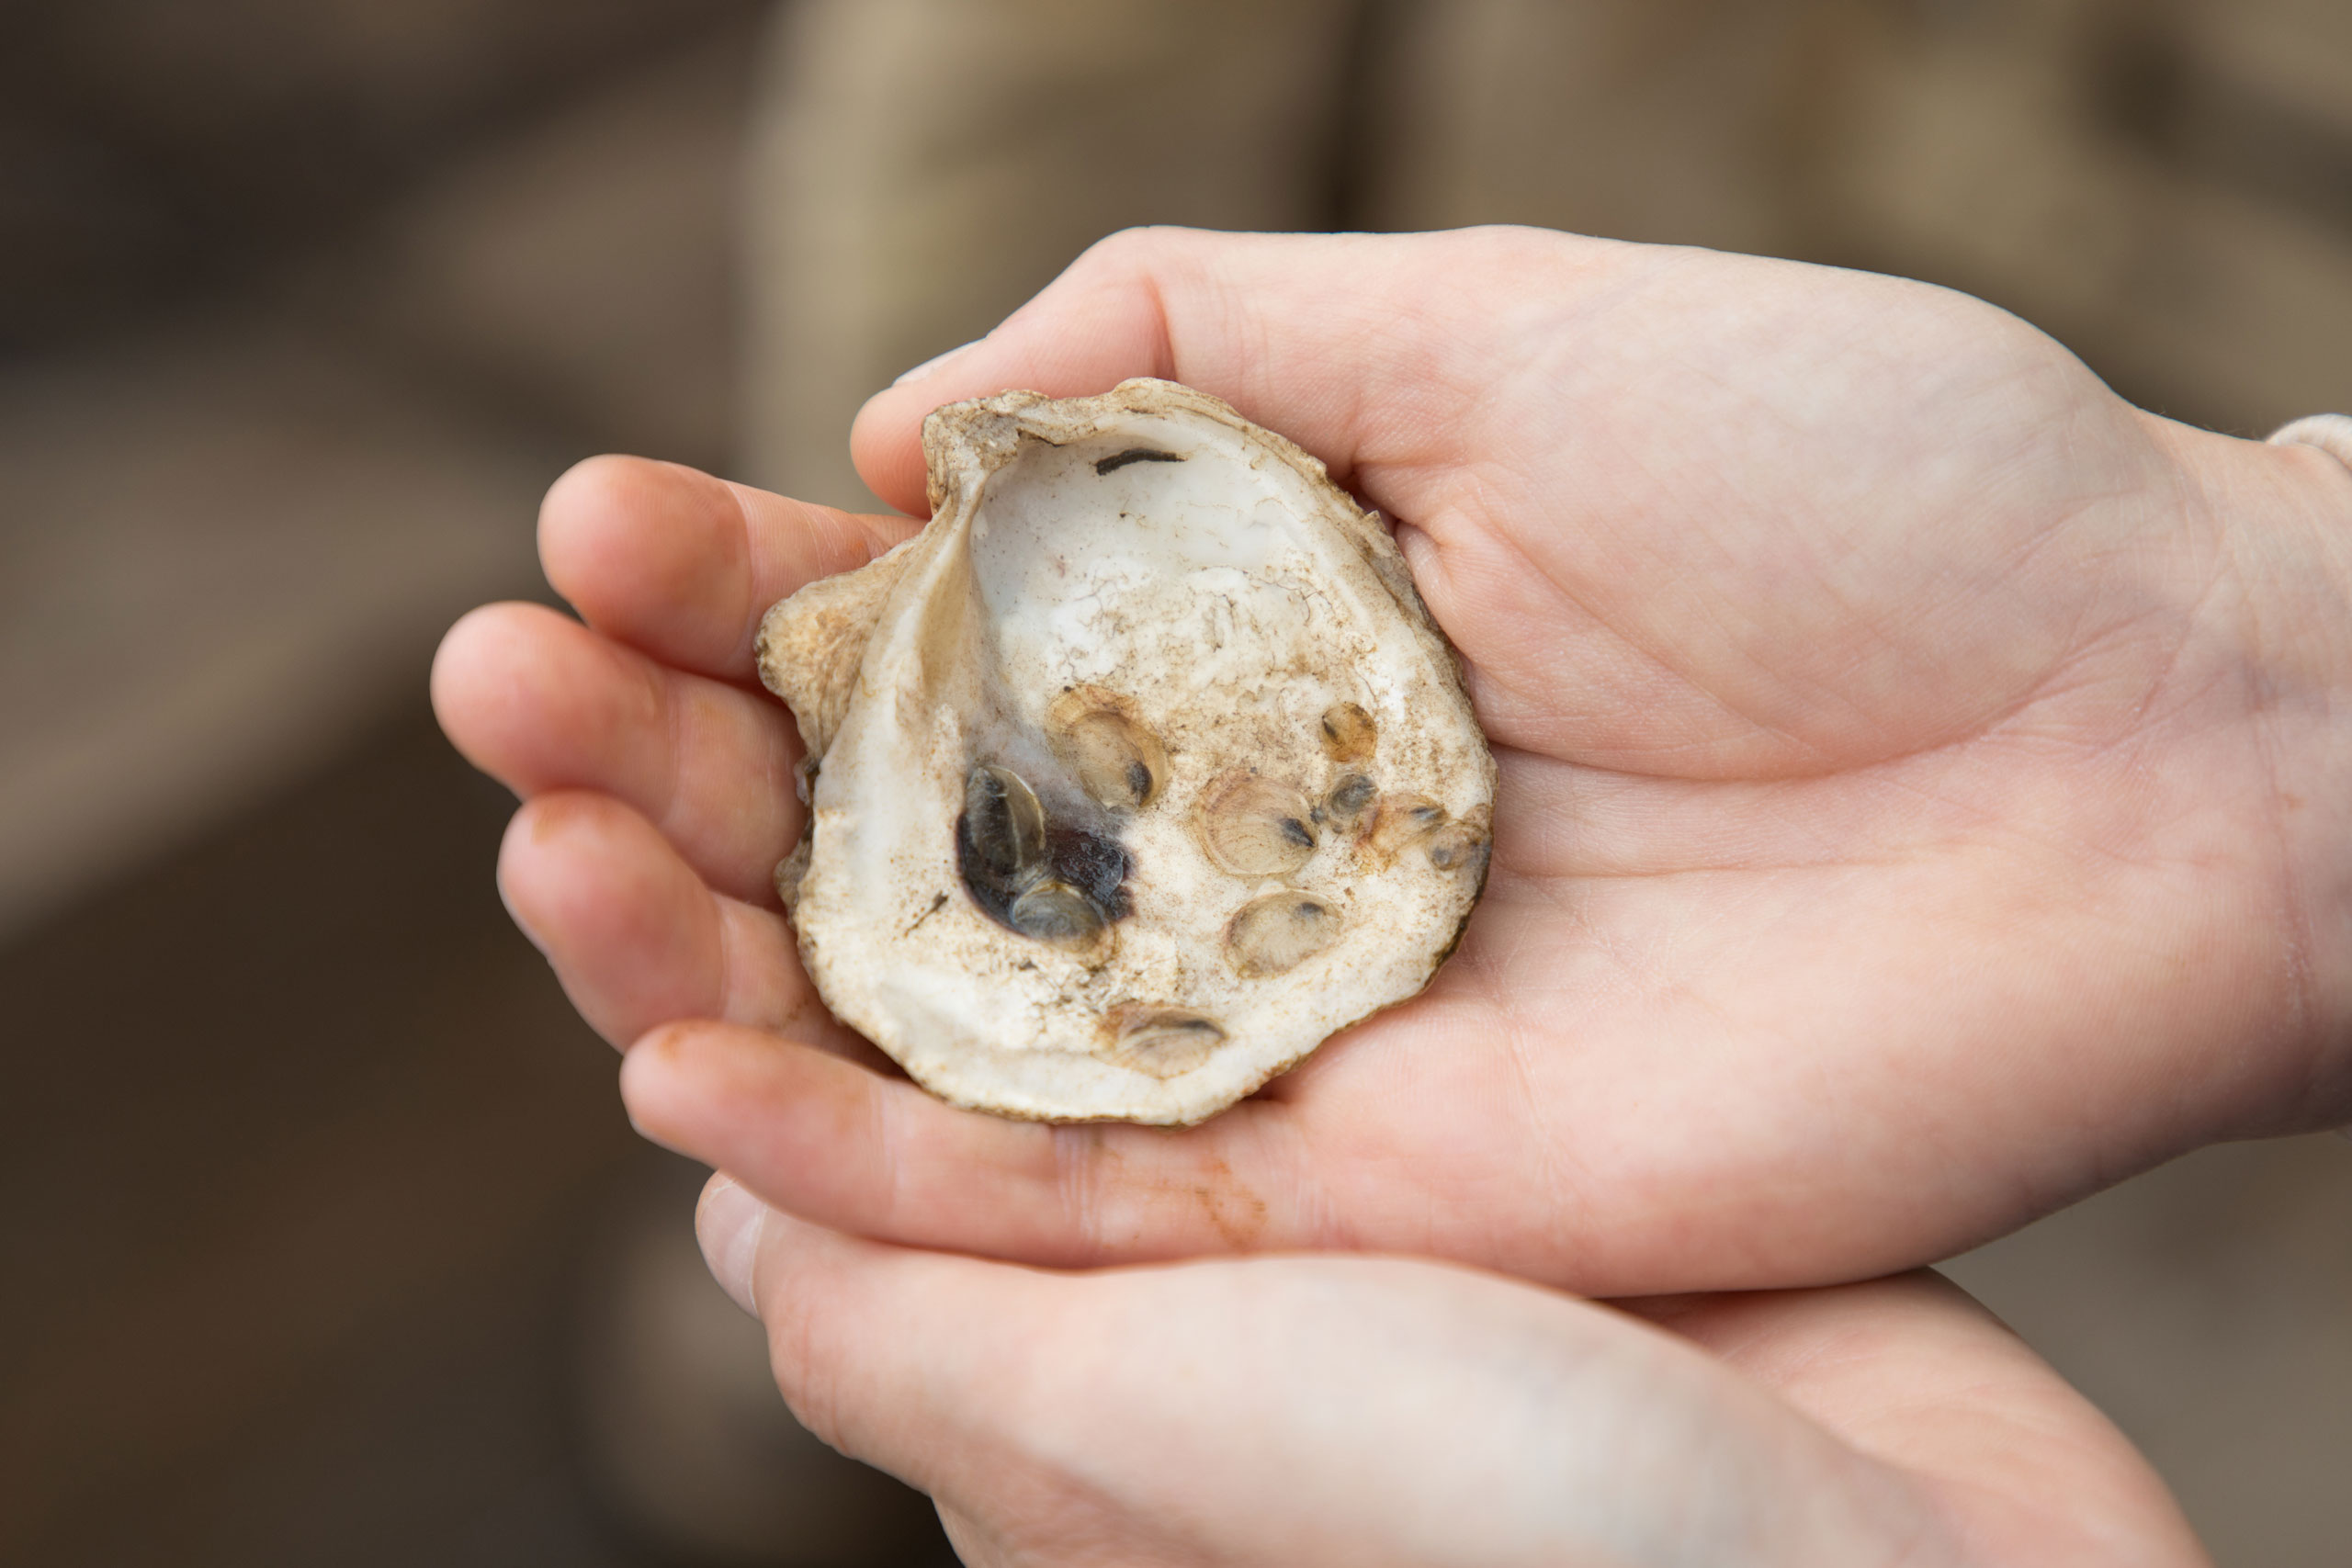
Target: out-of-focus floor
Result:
[311, 1184]
[2207, 1307]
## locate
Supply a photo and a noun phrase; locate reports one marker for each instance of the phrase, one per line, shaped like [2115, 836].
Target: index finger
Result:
[680, 566]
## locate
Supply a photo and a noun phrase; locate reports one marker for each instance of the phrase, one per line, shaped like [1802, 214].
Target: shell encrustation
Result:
[1135, 775]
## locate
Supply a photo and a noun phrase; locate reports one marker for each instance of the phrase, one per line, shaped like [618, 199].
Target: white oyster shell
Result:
[1147, 574]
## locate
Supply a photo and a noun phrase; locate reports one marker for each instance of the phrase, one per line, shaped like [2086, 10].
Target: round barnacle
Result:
[1402, 820]
[1455, 846]
[1162, 1041]
[1348, 799]
[1349, 733]
[1254, 826]
[1117, 759]
[1058, 915]
[1277, 933]
[1002, 824]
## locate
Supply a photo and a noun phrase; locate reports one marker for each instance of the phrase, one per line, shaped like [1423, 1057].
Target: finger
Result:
[1300, 332]
[541, 702]
[1281, 1410]
[829, 1301]
[1924, 1377]
[633, 932]
[875, 1156]
[682, 566]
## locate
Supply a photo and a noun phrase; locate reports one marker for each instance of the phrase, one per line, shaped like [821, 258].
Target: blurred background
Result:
[326, 1240]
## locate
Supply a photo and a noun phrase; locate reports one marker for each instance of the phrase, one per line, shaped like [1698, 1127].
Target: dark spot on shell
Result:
[936, 905]
[1134, 455]
[1030, 875]
[1096, 865]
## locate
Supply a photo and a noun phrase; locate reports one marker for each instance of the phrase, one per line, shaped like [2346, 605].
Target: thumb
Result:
[882, 1351]
[1362, 348]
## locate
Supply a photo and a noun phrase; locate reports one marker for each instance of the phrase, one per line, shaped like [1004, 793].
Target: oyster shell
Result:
[1132, 777]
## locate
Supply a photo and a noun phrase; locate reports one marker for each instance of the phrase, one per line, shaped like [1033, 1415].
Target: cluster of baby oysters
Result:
[1136, 774]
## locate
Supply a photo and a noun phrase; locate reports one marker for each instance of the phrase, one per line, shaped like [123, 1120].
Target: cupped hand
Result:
[1299, 1411]
[1922, 789]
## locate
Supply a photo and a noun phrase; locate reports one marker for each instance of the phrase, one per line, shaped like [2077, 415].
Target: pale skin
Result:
[1299, 1412]
[1922, 792]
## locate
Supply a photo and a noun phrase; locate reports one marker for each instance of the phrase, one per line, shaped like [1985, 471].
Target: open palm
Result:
[1901, 828]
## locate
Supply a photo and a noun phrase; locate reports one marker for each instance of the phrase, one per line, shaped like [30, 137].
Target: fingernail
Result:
[729, 1224]
[935, 362]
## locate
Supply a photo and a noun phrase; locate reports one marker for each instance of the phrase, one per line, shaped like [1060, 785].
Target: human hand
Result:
[1921, 800]
[1297, 1410]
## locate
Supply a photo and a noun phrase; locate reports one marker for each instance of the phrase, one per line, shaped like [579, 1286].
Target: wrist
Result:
[2284, 513]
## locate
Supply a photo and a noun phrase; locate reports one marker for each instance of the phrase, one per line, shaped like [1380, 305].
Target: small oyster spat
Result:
[1136, 775]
